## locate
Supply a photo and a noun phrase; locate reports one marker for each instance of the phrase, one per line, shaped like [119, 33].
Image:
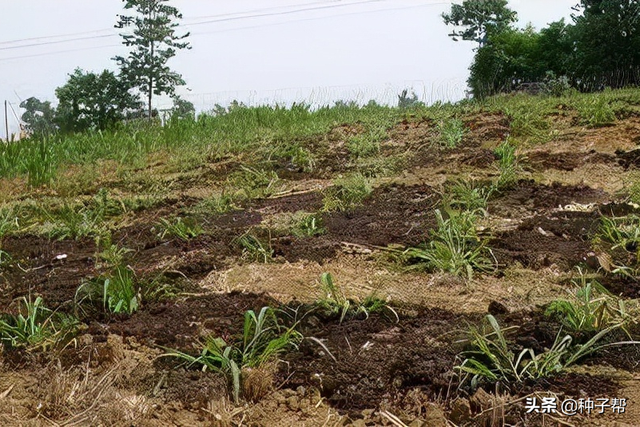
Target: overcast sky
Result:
[257, 51]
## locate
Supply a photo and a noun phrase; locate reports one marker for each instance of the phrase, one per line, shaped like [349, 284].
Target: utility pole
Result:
[6, 120]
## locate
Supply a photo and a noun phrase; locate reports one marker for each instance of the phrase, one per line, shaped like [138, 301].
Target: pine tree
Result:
[154, 41]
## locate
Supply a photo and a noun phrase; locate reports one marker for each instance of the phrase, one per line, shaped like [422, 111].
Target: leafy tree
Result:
[39, 117]
[93, 101]
[477, 20]
[511, 58]
[182, 108]
[154, 41]
[607, 43]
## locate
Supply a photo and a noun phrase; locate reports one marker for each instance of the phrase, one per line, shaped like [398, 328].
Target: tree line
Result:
[91, 100]
[599, 48]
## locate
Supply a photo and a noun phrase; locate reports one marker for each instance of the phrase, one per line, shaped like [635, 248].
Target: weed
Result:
[73, 222]
[621, 232]
[451, 131]
[468, 195]
[263, 340]
[308, 225]
[492, 358]
[256, 183]
[596, 111]
[335, 303]
[36, 327]
[347, 193]
[182, 229]
[115, 291]
[217, 205]
[111, 255]
[590, 309]
[255, 249]
[508, 164]
[39, 162]
[455, 246]
[366, 144]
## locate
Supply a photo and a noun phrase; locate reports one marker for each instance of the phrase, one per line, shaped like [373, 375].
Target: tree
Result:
[182, 108]
[154, 41]
[607, 43]
[477, 20]
[39, 117]
[93, 101]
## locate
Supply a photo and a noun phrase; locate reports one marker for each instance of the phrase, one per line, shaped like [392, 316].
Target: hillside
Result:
[147, 239]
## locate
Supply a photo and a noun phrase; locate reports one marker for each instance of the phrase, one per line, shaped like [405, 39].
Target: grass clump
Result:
[595, 111]
[451, 132]
[334, 303]
[115, 291]
[589, 309]
[36, 326]
[183, 229]
[468, 195]
[367, 144]
[256, 182]
[347, 193]
[263, 340]
[308, 225]
[455, 246]
[508, 165]
[492, 358]
[255, 249]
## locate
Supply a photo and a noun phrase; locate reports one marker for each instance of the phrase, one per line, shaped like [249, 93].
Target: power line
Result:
[218, 18]
[240, 28]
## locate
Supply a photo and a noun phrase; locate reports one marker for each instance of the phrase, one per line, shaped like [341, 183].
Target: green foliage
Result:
[217, 204]
[263, 341]
[468, 195]
[182, 109]
[93, 101]
[621, 232]
[493, 359]
[476, 20]
[154, 42]
[82, 219]
[596, 111]
[36, 326]
[115, 291]
[254, 249]
[183, 229]
[366, 144]
[309, 225]
[256, 182]
[589, 309]
[335, 303]
[455, 246]
[406, 101]
[508, 164]
[39, 162]
[38, 117]
[347, 193]
[606, 43]
[451, 131]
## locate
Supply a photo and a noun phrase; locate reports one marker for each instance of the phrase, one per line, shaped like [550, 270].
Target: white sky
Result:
[256, 51]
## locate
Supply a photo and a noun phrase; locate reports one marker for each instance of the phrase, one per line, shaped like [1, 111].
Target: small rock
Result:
[359, 423]
[418, 423]
[293, 403]
[301, 390]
